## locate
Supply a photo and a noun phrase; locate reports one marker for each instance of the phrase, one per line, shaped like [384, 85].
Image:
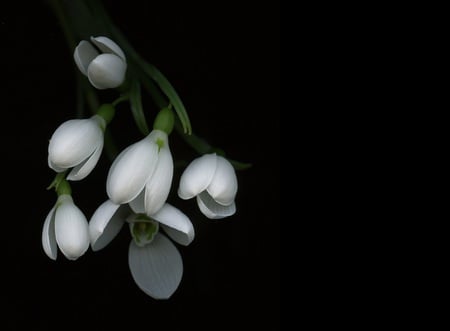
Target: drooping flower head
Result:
[212, 180]
[146, 168]
[77, 144]
[65, 227]
[102, 61]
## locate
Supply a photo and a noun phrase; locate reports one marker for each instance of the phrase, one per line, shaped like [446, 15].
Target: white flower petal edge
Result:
[131, 170]
[223, 186]
[158, 186]
[82, 170]
[71, 228]
[213, 210]
[177, 225]
[106, 223]
[53, 166]
[83, 55]
[137, 204]
[197, 176]
[48, 236]
[108, 46]
[156, 268]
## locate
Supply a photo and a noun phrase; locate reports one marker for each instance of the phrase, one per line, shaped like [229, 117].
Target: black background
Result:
[223, 59]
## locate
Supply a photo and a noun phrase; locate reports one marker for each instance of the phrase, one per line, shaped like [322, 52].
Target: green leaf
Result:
[201, 146]
[170, 92]
[154, 92]
[136, 107]
[149, 69]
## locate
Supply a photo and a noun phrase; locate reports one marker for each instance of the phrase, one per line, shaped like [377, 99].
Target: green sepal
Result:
[164, 121]
[107, 112]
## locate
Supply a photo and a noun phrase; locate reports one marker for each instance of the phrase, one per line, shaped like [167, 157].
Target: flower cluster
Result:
[138, 184]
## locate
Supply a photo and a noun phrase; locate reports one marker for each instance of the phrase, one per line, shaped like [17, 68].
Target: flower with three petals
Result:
[212, 180]
[154, 261]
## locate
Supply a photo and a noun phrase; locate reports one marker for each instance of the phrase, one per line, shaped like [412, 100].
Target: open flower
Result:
[212, 179]
[102, 61]
[65, 227]
[146, 167]
[154, 261]
[77, 144]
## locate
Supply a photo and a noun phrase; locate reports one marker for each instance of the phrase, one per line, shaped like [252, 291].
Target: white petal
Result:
[212, 209]
[137, 204]
[106, 223]
[82, 170]
[158, 186]
[108, 46]
[71, 229]
[107, 71]
[83, 55]
[224, 184]
[197, 176]
[48, 236]
[176, 224]
[54, 167]
[73, 142]
[156, 268]
[131, 170]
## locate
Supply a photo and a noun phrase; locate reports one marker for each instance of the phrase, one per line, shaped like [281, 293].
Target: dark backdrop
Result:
[223, 58]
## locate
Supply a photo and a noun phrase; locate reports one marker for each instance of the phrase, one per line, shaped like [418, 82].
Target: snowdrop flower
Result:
[102, 61]
[77, 144]
[145, 167]
[154, 261]
[65, 227]
[212, 179]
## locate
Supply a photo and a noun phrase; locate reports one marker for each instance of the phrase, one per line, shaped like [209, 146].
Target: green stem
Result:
[198, 144]
[120, 99]
[156, 84]
[144, 66]
[59, 12]
[201, 146]
[90, 96]
[63, 188]
[83, 87]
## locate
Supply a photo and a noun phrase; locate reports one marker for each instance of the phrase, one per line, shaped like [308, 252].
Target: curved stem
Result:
[67, 31]
[120, 99]
[146, 67]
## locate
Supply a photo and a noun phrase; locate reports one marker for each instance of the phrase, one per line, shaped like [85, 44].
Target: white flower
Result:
[77, 144]
[65, 227]
[146, 168]
[103, 62]
[154, 261]
[212, 179]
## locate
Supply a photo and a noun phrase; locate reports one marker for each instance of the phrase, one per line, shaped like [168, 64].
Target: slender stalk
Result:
[148, 68]
[67, 31]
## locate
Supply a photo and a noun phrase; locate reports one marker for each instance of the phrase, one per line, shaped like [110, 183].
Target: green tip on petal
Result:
[143, 232]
